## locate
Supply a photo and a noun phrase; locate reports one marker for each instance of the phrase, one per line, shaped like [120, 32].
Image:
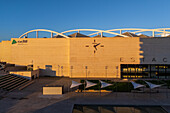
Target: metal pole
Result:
[86, 78]
[150, 91]
[106, 77]
[116, 78]
[61, 70]
[167, 92]
[68, 93]
[68, 88]
[84, 88]
[71, 71]
[58, 70]
[100, 88]
[106, 71]
[71, 77]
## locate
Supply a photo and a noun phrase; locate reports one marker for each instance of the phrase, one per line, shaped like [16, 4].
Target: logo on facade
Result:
[14, 42]
[19, 42]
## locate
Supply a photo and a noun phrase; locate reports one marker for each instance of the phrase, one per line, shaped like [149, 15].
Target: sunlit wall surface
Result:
[81, 57]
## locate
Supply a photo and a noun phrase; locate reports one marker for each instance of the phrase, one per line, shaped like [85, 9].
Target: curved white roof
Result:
[115, 32]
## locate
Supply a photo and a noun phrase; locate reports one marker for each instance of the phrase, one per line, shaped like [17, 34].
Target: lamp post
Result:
[71, 71]
[116, 78]
[86, 71]
[71, 67]
[58, 70]
[61, 70]
[106, 67]
[86, 67]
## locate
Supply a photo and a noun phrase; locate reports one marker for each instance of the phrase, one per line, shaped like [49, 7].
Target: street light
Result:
[106, 67]
[117, 67]
[86, 67]
[71, 71]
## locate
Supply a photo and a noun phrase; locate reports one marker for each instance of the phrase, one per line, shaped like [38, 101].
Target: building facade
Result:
[92, 57]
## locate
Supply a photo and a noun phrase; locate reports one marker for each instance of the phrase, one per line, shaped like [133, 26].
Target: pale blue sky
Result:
[19, 16]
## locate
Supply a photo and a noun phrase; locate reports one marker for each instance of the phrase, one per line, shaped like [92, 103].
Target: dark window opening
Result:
[145, 71]
[49, 67]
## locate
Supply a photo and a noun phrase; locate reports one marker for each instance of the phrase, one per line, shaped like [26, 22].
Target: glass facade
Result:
[145, 71]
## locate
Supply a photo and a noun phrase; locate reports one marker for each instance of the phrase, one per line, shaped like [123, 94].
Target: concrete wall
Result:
[16, 68]
[26, 74]
[35, 73]
[102, 61]
[155, 50]
[5, 51]
[111, 53]
[69, 57]
[47, 72]
[41, 52]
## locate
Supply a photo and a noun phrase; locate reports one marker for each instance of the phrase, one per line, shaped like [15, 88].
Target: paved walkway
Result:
[31, 99]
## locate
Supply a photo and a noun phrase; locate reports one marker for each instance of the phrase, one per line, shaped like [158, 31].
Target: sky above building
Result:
[19, 16]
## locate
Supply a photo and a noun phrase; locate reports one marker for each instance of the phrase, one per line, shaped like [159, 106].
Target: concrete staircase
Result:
[11, 82]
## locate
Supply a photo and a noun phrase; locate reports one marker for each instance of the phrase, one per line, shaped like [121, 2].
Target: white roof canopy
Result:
[153, 85]
[136, 85]
[90, 84]
[75, 84]
[104, 84]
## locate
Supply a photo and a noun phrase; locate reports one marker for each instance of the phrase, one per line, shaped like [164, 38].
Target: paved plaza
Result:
[31, 99]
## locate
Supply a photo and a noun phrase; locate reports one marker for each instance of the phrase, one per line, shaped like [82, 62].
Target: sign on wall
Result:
[19, 42]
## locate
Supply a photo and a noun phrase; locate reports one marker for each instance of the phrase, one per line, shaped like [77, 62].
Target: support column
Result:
[164, 33]
[51, 34]
[101, 34]
[153, 33]
[120, 31]
[36, 34]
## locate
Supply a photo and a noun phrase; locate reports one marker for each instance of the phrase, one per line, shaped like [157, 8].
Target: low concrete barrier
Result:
[53, 90]
[24, 74]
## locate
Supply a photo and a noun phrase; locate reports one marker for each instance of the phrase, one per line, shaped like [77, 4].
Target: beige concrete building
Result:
[78, 56]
